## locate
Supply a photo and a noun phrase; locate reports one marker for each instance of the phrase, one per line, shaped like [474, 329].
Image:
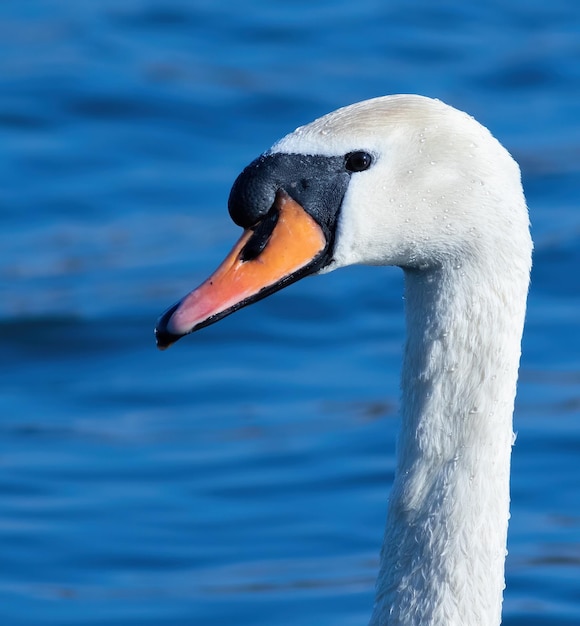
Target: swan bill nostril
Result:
[262, 233]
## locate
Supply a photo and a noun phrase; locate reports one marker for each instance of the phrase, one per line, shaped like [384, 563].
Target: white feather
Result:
[444, 201]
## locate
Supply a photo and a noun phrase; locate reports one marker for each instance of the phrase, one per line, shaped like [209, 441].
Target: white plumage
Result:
[407, 181]
[444, 201]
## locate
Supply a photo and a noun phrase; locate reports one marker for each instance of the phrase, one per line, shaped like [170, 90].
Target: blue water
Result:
[242, 476]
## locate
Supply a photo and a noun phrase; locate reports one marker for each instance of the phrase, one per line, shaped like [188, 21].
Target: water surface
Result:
[242, 477]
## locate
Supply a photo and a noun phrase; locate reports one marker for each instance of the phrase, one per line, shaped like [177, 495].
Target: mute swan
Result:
[408, 181]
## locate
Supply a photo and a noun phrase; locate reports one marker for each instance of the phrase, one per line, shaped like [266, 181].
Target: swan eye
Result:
[358, 161]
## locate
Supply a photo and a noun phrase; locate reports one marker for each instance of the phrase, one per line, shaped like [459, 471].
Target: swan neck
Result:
[442, 560]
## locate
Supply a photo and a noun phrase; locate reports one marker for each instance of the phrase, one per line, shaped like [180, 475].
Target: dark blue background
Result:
[242, 477]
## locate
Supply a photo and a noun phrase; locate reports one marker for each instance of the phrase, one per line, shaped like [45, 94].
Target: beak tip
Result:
[164, 338]
[162, 346]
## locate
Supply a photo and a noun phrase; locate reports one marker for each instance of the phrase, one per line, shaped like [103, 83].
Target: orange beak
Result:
[262, 261]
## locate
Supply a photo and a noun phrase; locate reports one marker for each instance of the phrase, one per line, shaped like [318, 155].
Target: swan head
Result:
[397, 180]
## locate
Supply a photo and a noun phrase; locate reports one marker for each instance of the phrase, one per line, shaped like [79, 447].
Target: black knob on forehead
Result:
[316, 182]
[253, 192]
